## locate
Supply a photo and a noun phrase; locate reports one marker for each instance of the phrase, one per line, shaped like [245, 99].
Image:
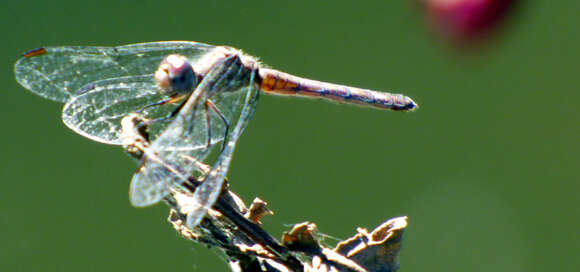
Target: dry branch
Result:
[237, 231]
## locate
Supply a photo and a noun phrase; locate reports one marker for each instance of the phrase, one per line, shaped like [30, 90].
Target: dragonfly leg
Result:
[171, 99]
[212, 106]
[176, 110]
[193, 113]
[208, 121]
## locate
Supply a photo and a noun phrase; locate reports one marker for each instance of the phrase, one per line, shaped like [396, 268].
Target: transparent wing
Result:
[150, 186]
[185, 138]
[186, 135]
[56, 73]
[97, 113]
[206, 194]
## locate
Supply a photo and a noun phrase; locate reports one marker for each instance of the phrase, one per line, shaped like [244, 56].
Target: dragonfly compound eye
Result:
[175, 75]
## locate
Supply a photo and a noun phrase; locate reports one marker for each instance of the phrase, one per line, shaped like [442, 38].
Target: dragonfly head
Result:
[175, 75]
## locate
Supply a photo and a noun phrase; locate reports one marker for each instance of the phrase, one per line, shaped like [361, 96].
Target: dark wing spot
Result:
[35, 52]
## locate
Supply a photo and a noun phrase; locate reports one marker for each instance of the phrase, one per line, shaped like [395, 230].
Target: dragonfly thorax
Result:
[175, 75]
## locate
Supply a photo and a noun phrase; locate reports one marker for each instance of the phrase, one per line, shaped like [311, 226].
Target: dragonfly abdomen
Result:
[279, 83]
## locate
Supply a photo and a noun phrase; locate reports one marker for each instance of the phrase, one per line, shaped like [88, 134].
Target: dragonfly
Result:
[101, 85]
[191, 92]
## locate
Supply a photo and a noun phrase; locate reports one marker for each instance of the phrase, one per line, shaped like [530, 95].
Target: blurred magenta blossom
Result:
[466, 20]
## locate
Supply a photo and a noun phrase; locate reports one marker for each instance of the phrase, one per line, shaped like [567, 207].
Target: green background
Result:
[486, 170]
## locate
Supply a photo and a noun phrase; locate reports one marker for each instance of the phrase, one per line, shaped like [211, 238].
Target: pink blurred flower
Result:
[466, 20]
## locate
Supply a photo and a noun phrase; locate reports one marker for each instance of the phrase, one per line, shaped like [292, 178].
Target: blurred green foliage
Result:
[486, 170]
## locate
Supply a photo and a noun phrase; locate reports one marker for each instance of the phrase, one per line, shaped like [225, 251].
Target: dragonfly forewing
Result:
[56, 73]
